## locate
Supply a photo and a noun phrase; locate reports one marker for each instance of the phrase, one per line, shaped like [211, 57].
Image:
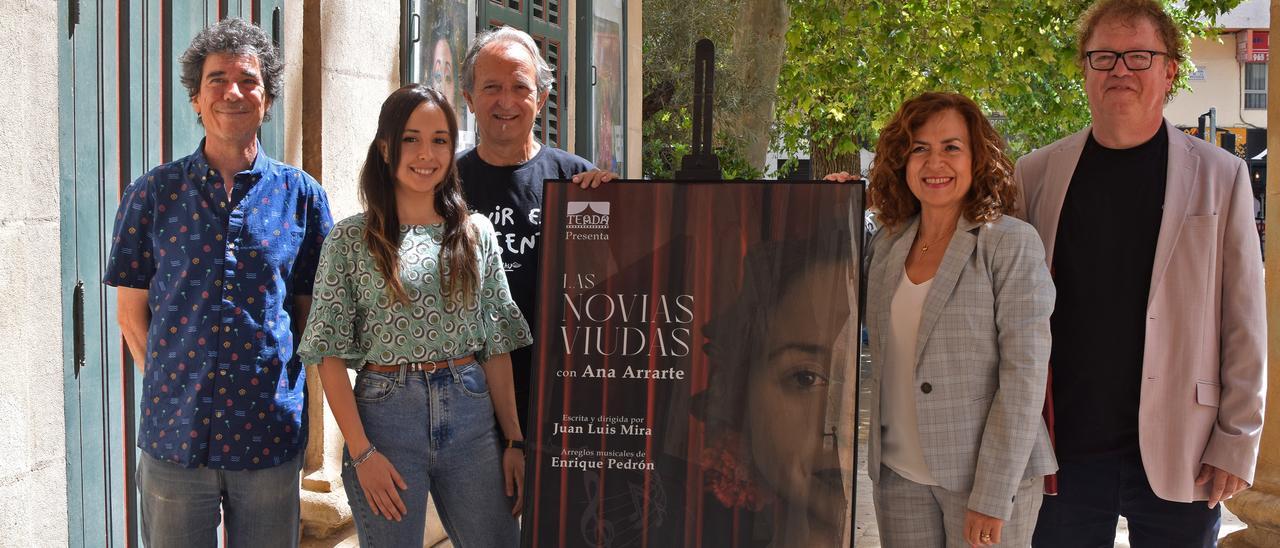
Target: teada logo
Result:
[587, 216]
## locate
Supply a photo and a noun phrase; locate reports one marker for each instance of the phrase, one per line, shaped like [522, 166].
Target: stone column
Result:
[346, 58]
[324, 503]
[1259, 506]
[344, 54]
[635, 90]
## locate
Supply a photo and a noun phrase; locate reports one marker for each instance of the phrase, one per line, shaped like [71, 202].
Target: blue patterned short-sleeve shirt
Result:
[221, 386]
[354, 315]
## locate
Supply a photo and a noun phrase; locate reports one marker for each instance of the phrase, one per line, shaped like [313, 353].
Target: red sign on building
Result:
[1252, 46]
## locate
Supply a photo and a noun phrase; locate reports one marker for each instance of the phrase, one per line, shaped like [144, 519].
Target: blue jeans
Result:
[438, 430]
[181, 507]
[1092, 492]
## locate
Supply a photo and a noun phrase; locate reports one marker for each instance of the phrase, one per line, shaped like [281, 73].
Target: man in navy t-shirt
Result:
[506, 83]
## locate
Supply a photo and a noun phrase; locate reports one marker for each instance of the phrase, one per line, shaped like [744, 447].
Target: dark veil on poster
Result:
[696, 365]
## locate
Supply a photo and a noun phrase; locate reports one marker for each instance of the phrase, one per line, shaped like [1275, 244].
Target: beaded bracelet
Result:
[364, 456]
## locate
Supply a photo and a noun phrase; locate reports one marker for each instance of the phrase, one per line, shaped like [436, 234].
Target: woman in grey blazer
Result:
[958, 307]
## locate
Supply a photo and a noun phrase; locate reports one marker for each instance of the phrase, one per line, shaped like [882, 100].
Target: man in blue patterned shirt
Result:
[214, 256]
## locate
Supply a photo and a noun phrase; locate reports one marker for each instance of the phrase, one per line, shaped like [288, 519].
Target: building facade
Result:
[95, 101]
[1228, 91]
[1230, 73]
[98, 102]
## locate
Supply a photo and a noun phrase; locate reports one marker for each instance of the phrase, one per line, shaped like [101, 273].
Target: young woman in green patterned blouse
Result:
[412, 294]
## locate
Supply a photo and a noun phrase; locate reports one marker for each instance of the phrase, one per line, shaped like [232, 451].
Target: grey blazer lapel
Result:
[944, 281]
[1179, 180]
[889, 276]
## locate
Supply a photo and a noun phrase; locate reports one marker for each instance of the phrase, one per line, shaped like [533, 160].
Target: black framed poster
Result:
[696, 365]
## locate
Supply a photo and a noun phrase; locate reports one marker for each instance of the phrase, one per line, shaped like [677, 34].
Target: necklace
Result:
[924, 248]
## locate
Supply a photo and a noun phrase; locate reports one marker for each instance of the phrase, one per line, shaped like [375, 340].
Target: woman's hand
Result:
[981, 529]
[513, 474]
[379, 480]
[593, 178]
[841, 177]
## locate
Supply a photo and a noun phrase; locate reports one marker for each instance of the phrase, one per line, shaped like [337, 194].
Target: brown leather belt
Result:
[428, 366]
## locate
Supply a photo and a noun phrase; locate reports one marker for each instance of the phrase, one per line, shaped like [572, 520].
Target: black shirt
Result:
[511, 196]
[1102, 263]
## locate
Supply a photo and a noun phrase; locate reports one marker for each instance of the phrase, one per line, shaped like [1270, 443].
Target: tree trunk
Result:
[759, 48]
[823, 159]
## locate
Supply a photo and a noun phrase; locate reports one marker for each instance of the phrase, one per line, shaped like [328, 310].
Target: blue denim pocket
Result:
[373, 387]
[473, 381]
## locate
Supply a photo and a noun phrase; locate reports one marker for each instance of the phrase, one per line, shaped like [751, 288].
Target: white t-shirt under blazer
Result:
[900, 446]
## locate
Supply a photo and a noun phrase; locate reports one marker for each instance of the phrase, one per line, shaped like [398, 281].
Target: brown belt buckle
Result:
[434, 367]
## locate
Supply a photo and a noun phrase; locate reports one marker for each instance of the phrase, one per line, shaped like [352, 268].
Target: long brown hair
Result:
[459, 267]
[993, 192]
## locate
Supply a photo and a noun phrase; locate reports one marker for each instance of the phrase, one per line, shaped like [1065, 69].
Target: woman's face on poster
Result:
[442, 75]
[791, 445]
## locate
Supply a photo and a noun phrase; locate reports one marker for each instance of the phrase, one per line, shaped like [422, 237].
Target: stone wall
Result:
[33, 471]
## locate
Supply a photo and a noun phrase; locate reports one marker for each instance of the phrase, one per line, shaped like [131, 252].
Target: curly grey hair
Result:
[234, 36]
[546, 75]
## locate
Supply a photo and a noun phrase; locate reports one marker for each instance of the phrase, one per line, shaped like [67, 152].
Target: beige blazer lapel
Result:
[1184, 162]
[944, 281]
[1057, 177]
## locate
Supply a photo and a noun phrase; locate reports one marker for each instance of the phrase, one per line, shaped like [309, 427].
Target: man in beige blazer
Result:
[1158, 359]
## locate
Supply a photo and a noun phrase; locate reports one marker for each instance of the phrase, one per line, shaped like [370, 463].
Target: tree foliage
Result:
[851, 64]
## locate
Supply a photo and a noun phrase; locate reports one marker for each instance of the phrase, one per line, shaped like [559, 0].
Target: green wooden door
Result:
[90, 155]
[544, 20]
[122, 110]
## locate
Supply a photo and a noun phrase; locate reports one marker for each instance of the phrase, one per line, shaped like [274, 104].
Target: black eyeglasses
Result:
[1134, 59]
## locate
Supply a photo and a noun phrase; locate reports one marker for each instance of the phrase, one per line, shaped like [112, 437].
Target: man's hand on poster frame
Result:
[594, 178]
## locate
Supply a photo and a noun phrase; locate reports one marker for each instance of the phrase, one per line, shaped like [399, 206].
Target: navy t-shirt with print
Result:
[221, 387]
[511, 196]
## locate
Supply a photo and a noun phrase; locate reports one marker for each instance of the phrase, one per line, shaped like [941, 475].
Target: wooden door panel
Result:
[122, 111]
